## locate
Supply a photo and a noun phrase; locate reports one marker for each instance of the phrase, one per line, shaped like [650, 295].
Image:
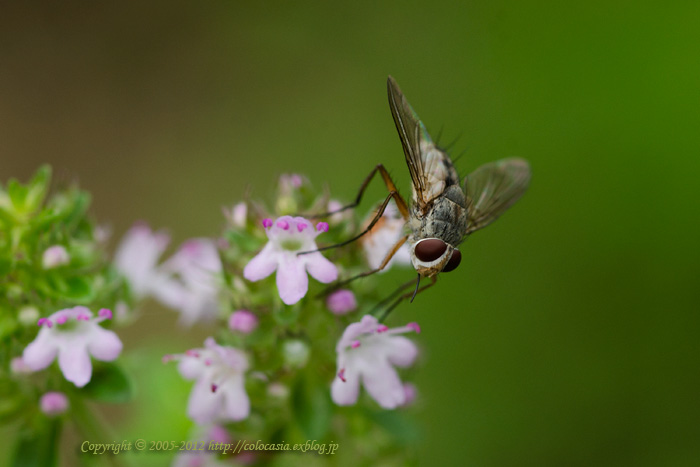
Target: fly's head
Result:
[431, 256]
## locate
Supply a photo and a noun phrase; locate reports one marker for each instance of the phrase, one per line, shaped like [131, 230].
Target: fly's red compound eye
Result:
[453, 262]
[430, 249]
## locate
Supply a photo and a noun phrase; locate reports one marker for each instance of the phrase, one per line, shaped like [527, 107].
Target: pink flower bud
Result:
[243, 321]
[341, 302]
[53, 403]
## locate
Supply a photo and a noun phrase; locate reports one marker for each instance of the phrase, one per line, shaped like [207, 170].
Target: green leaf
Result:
[18, 194]
[109, 384]
[79, 289]
[313, 408]
[37, 188]
[38, 447]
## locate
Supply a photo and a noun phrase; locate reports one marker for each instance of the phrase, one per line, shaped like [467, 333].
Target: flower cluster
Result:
[279, 340]
[288, 356]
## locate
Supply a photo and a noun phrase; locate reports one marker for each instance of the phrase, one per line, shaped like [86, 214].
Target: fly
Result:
[444, 211]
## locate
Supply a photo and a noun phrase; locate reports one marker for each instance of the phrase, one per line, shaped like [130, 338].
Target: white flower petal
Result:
[104, 344]
[204, 405]
[292, 281]
[320, 268]
[346, 392]
[236, 402]
[262, 265]
[75, 364]
[41, 352]
[191, 367]
[400, 351]
[383, 384]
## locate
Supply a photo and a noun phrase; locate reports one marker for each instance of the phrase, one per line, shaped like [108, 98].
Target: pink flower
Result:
[219, 391]
[287, 237]
[384, 235]
[55, 256]
[368, 352]
[53, 403]
[191, 281]
[341, 302]
[243, 321]
[137, 256]
[72, 335]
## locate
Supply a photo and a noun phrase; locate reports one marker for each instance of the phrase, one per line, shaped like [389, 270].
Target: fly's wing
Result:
[493, 188]
[431, 169]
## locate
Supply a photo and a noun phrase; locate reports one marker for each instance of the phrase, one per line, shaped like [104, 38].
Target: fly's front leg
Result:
[391, 297]
[395, 195]
[403, 207]
[383, 264]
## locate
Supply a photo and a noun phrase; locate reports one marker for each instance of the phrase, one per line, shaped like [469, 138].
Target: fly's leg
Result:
[391, 297]
[378, 216]
[400, 203]
[404, 297]
[383, 264]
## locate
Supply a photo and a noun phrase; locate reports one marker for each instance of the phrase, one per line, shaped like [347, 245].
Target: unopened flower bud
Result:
[341, 302]
[296, 353]
[53, 403]
[28, 316]
[243, 321]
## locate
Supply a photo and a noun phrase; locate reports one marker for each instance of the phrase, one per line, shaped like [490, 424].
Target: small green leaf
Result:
[109, 384]
[37, 188]
[38, 447]
[18, 194]
[79, 289]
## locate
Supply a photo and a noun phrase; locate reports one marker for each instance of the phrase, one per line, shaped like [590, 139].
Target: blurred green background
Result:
[568, 335]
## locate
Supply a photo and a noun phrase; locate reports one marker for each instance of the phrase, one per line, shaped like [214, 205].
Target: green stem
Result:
[93, 428]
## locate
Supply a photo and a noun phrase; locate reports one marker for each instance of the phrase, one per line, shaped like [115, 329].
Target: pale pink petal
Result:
[320, 268]
[367, 324]
[346, 392]
[169, 292]
[236, 402]
[191, 367]
[104, 344]
[382, 383]
[400, 350]
[262, 265]
[204, 405]
[292, 281]
[75, 364]
[41, 352]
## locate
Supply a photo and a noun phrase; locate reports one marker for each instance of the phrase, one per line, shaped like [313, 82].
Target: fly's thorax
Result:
[445, 220]
[431, 256]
